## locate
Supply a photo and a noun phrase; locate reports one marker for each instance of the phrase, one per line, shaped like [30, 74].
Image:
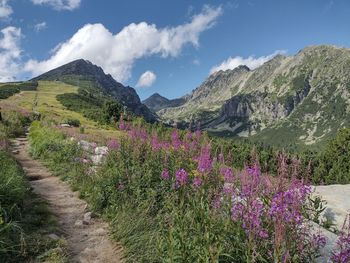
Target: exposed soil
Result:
[87, 238]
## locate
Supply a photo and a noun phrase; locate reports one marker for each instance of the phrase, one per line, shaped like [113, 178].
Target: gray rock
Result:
[338, 204]
[86, 146]
[87, 218]
[78, 223]
[103, 150]
[54, 237]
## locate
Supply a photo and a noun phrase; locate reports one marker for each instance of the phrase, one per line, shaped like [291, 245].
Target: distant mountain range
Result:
[157, 102]
[83, 73]
[300, 100]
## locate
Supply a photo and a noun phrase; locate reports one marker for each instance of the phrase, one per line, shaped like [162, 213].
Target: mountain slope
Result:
[157, 102]
[301, 99]
[83, 73]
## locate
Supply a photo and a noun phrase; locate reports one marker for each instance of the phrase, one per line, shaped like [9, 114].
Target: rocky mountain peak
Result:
[81, 68]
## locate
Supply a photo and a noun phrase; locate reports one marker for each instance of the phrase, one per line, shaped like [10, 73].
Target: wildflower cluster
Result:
[204, 205]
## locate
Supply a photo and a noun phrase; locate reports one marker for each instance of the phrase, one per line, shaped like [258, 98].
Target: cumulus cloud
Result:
[5, 9]
[146, 79]
[59, 4]
[117, 53]
[10, 53]
[251, 61]
[40, 26]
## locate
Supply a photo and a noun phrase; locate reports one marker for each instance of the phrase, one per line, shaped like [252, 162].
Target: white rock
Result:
[338, 204]
[65, 125]
[86, 146]
[97, 159]
[103, 150]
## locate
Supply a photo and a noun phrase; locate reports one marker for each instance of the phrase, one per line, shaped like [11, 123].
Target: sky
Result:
[163, 46]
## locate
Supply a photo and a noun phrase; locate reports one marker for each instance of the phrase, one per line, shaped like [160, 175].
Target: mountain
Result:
[157, 102]
[81, 72]
[302, 99]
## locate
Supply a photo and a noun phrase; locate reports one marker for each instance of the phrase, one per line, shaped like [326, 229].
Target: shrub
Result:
[73, 122]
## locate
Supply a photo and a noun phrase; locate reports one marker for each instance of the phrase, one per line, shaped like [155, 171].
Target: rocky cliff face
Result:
[300, 99]
[83, 68]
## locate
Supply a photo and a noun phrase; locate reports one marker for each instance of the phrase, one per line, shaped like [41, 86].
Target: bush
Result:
[73, 122]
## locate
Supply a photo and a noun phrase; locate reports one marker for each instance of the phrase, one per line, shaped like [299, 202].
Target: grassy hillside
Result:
[9, 89]
[44, 100]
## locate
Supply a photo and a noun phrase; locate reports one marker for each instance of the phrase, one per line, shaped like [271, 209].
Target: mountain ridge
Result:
[312, 84]
[83, 68]
[156, 102]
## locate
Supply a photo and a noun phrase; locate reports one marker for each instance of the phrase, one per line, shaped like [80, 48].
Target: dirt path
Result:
[87, 237]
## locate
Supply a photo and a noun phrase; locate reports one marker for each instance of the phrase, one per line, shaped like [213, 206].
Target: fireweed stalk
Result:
[206, 210]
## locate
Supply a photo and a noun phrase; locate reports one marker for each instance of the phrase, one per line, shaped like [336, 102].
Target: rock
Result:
[86, 146]
[65, 125]
[87, 218]
[54, 237]
[331, 238]
[15, 152]
[338, 205]
[103, 150]
[97, 159]
[78, 223]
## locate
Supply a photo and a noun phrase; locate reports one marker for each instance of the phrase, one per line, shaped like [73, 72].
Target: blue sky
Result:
[174, 45]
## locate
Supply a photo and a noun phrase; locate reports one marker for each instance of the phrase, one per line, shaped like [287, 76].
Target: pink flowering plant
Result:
[202, 209]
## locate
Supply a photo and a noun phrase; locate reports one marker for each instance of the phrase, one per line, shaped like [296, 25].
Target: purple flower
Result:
[175, 140]
[113, 144]
[254, 170]
[319, 240]
[205, 163]
[251, 215]
[197, 182]
[165, 175]
[156, 145]
[342, 255]
[227, 173]
[286, 205]
[181, 178]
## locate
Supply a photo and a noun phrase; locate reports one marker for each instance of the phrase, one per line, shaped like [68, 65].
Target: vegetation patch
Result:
[8, 90]
[168, 196]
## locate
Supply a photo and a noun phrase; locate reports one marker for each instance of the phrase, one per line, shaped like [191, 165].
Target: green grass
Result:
[44, 100]
[25, 221]
[9, 89]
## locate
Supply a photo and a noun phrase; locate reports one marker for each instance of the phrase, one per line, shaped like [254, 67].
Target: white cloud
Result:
[59, 4]
[10, 53]
[5, 9]
[146, 79]
[117, 53]
[251, 62]
[40, 26]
